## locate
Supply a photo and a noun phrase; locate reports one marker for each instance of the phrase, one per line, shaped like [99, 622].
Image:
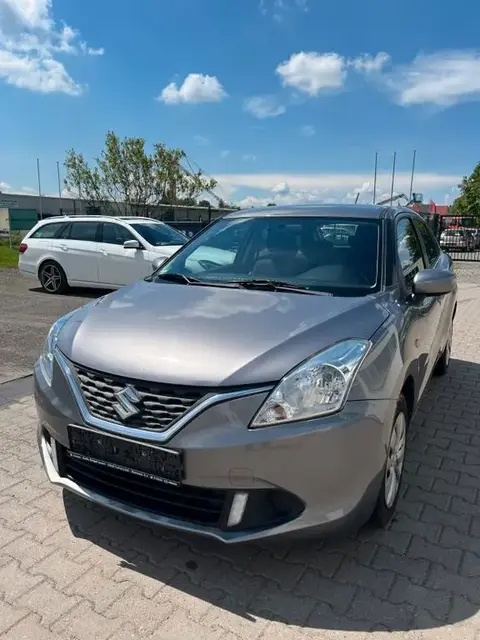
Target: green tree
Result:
[469, 199]
[127, 180]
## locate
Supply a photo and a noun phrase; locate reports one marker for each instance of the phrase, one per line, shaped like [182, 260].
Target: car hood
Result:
[212, 336]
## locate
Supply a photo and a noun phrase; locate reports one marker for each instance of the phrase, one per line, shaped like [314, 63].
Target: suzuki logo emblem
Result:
[127, 399]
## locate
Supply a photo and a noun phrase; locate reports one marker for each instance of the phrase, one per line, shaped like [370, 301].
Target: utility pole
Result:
[393, 173]
[375, 178]
[413, 173]
[59, 187]
[39, 189]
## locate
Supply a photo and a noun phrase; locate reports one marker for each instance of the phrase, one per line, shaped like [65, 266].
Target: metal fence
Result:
[459, 236]
[188, 228]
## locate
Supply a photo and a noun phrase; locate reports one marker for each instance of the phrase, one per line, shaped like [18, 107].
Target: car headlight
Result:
[46, 359]
[317, 387]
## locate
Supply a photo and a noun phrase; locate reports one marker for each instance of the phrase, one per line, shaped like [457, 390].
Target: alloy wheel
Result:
[51, 278]
[395, 459]
[448, 347]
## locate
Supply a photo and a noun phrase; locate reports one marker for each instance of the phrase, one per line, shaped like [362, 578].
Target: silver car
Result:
[268, 395]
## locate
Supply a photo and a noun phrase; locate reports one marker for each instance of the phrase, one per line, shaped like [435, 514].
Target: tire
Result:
[393, 470]
[443, 363]
[52, 278]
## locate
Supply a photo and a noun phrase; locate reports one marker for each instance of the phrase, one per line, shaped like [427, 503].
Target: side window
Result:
[429, 241]
[409, 251]
[86, 231]
[115, 234]
[49, 230]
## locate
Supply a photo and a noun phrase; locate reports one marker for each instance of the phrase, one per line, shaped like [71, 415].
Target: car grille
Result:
[193, 504]
[159, 406]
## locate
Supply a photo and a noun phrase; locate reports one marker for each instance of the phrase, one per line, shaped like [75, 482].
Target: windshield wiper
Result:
[278, 285]
[177, 277]
[180, 278]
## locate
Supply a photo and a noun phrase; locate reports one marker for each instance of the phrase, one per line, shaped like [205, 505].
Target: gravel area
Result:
[26, 314]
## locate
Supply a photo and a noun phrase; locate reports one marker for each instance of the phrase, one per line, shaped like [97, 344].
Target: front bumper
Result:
[321, 475]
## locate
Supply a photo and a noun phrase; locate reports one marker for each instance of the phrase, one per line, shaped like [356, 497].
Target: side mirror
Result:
[131, 244]
[433, 282]
[157, 263]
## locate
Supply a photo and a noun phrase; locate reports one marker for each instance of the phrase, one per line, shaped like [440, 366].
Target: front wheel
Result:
[393, 472]
[52, 278]
[443, 363]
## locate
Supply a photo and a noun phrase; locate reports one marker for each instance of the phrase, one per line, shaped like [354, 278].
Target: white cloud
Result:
[195, 88]
[202, 141]
[312, 72]
[249, 157]
[282, 188]
[278, 8]
[44, 75]
[323, 187]
[443, 78]
[308, 130]
[95, 52]
[367, 63]
[6, 188]
[263, 107]
[341, 181]
[33, 13]
[30, 42]
[365, 190]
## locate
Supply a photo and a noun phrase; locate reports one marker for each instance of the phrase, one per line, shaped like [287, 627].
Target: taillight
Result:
[22, 248]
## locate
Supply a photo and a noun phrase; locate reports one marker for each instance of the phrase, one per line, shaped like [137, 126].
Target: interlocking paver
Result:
[69, 569]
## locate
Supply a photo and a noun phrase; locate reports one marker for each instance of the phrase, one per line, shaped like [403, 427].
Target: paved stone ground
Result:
[70, 570]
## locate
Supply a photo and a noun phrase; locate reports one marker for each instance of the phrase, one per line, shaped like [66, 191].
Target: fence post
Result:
[9, 229]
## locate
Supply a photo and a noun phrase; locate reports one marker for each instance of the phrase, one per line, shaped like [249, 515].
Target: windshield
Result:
[333, 255]
[159, 234]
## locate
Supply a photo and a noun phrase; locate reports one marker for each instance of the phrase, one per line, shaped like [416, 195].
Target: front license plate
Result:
[164, 465]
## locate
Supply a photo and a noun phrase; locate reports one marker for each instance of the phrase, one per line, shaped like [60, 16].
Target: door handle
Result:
[103, 252]
[63, 247]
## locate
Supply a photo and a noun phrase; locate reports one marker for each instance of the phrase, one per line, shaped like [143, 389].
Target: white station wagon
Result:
[104, 252]
[95, 251]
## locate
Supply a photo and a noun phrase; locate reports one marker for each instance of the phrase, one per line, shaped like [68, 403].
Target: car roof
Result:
[97, 219]
[363, 211]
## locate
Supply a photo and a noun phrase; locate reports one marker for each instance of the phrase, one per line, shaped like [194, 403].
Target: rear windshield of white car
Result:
[333, 255]
[158, 234]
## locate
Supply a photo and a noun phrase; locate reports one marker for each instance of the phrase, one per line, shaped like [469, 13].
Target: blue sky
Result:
[280, 100]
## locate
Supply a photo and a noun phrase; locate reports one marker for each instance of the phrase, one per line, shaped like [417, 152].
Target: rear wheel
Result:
[393, 472]
[52, 278]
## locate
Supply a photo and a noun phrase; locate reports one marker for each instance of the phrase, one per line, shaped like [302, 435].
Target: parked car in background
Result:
[91, 251]
[457, 240]
[265, 396]
[102, 252]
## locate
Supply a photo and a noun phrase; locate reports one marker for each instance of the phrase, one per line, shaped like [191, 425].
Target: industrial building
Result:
[12, 205]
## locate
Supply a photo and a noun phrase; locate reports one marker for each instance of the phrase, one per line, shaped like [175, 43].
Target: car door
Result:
[119, 266]
[76, 250]
[421, 316]
[437, 260]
